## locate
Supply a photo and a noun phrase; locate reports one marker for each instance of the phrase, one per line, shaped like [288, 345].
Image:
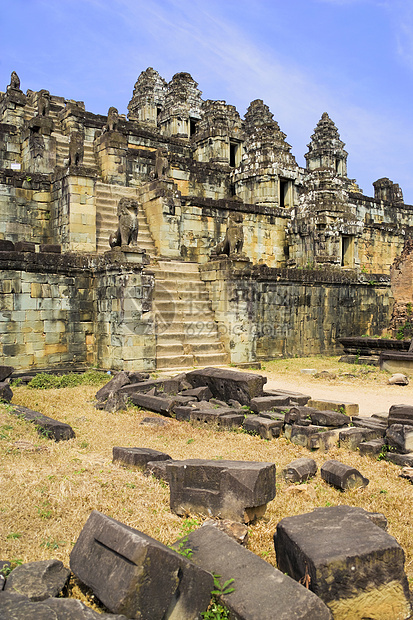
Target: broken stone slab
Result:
[5, 372]
[201, 393]
[398, 379]
[400, 414]
[267, 403]
[342, 476]
[370, 423]
[118, 381]
[231, 420]
[38, 580]
[115, 402]
[300, 470]
[324, 441]
[228, 384]
[151, 421]
[233, 529]
[400, 459]
[135, 575]
[351, 438]
[299, 414]
[372, 448]
[17, 606]
[137, 458]
[157, 469]
[301, 435]
[329, 418]
[136, 377]
[264, 427]
[348, 409]
[400, 437]
[47, 427]
[353, 565]
[162, 386]
[236, 490]
[6, 393]
[158, 404]
[261, 592]
[298, 398]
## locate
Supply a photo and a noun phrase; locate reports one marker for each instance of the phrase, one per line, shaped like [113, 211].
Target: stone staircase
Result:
[186, 331]
[107, 198]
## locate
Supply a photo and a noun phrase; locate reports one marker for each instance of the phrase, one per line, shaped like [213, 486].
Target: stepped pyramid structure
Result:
[240, 255]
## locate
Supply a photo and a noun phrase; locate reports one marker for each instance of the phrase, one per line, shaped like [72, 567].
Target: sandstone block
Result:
[267, 403]
[5, 372]
[264, 427]
[400, 414]
[372, 448]
[342, 476]
[6, 393]
[324, 441]
[38, 580]
[400, 459]
[135, 575]
[236, 490]
[18, 606]
[300, 470]
[59, 431]
[351, 438]
[335, 405]
[261, 592]
[157, 404]
[137, 458]
[400, 437]
[228, 384]
[118, 381]
[354, 566]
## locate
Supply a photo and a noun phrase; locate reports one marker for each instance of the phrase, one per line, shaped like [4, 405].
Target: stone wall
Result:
[263, 313]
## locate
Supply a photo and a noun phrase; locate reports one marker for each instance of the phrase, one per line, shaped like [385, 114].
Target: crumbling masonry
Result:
[241, 254]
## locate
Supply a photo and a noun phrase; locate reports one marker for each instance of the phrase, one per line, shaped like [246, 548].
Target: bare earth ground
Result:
[48, 489]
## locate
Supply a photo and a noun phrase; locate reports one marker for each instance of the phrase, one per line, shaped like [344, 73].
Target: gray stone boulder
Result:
[260, 591]
[400, 414]
[236, 490]
[18, 607]
[300, 470]
[38, 580]
[228, 384]
[342, 476]
[47, 427]
[400, 437]
[264, 427]
[5, 372]
[6, 393]
[353, 565]
[110, 388]
[135, 575]
[137, 458]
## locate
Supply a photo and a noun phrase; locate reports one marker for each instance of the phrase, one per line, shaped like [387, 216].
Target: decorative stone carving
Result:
[148, 97]
[384, 189]
[127, 232]
[234, 237]
[14, 81]
[43, 103]
[36, 145]
[76, 149]
[113, 118]
[161, 164]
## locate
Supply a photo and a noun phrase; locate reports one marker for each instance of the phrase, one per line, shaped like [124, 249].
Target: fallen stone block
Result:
[236, 490]
[17, 606]
[300, 470]
[115, 402]
[135, 575]
[370, 423]
[398, 379]
[400, 437]
[372, 448]
[6, 393]
[5, 372]
[137, 458]
[137, 377]
[38, 580]
[201, 393]
[118, 381]
[400, 414]
[235, 530]
[400, 459]
[261, 592]
[342, 476]
[351, 438]
[264, 427]
[6, 246]
[266, 403]
[349, 409]
[354, 566]
[301, 435]
[158, 404]
[231, 420]
[298, 398]
[183, 414]
[333, 419]
[162, 386]
[407, 472]
[228, 384]
[149, 421]
[47, 427]
[157, 469]
[324, 441]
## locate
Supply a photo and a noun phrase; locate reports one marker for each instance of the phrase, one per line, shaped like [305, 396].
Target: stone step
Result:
[169, 267]
[195, 348]
[189, 361]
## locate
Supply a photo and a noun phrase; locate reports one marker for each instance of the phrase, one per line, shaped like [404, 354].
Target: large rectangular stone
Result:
[228, 384]
[353, 565]
[334, 405]
[260, 591]
[48, 427]
[238, 490]
[135, 575]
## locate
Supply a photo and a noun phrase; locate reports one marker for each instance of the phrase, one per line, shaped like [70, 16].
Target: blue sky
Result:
[350, 58]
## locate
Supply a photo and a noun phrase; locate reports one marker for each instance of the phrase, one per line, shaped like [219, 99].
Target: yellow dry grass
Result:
[48, 489]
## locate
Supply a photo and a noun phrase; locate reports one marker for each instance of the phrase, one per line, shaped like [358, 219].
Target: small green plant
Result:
[190, 441]
[52, 544]
[409, 309]
[14, 535]
[45, 381]
[6, 570]
[15, 382]
[383, 452]
[363, 269]
[216, 611]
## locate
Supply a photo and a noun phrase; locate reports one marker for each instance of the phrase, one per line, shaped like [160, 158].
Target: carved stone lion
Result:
[161, 164]
[14, 81]
[76, 149]
[113, 117]
[234, 237]
[127, 232]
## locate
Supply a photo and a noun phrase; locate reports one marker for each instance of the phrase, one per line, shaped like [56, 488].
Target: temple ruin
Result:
[222, 248]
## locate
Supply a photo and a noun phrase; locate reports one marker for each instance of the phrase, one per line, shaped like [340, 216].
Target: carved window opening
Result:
[192, 126]
[232, 190]
[338, 166]
[234, 154]
[347, 251]
[286, 193]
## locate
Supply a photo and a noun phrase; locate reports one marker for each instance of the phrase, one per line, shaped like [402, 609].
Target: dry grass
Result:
[48, 490]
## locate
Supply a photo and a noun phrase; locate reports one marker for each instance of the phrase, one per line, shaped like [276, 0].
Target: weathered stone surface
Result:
[267, 403]
[351, 438]
[157, 469]
[50, 248]
[38, 580]
[398, 379]
[236, 490]
[6, 246]
[6, 393]
[118, 381]
[264, 427]
[149, 421]
[231, 420]
[349, 409]
[59, 431]
[324, 441]
[261, 592]
[25, 246]
[354, 566]
[372, 448]
[342, 476]
[298, 398]
[137, 458]
[146, 579]
[400, 459]
[4, 567]
[158, 404]
[115, 402]
[407, 472]
[300, 470]
[19, 607]
[400, 437]
[370, 423]
[228, 384]
[233, 529]
[5, 372]
[400, 414]
[314, 416]
[301, 435]
[201, 393]
[165, 386]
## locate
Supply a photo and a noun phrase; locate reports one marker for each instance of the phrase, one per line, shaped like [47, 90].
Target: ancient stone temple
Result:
[182, 234]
